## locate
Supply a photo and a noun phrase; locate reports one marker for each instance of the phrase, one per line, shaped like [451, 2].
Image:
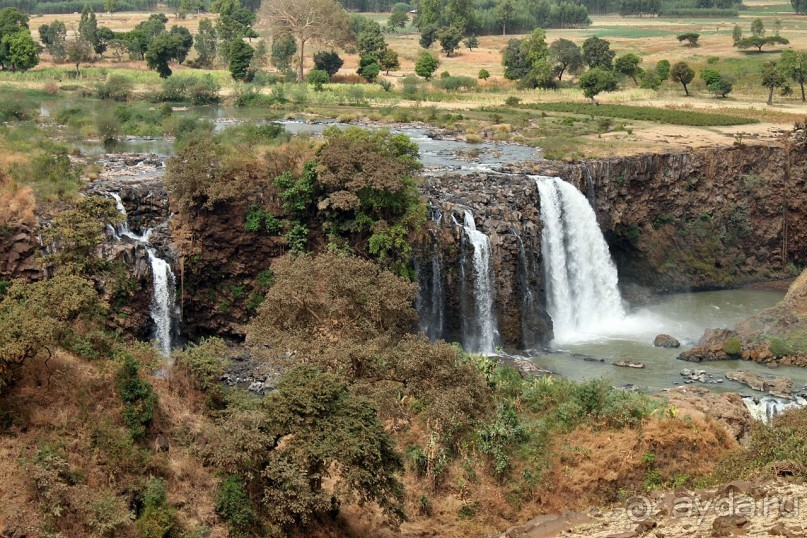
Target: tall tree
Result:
[794, 65]
[307, 20]
[504, 14]
[78, 52]
[54, 37]
[597, 53]
[597, 80]
[22, 51]
[683, 74]
[284, 47]
[184, 41]
[88, 25]
[772, 78]
[628, 65]
[205, 43]
[240, 57]
[566, 56]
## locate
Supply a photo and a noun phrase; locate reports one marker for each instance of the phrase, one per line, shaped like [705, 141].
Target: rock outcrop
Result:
[665, 340]
[714, 345]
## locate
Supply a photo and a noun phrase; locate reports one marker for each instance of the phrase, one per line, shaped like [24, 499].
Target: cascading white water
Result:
[163, 300]
[581, 279]
[766, 407]
[479, 327]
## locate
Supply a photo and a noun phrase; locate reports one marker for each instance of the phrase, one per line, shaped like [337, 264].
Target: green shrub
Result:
[512, 101]
[158, 518]
[206, 361]
[16, 107]
[139, 398]
[779, 347]
[116, 88]
[498, 437]
[455, 83]
[483, 74]
[317, 78]
[733, 346]
[203, 91]
[233, 504]
[108, 514]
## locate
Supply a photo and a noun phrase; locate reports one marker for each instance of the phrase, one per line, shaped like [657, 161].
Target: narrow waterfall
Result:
[479, 328]
[581, 279]
[764, 408]
[431, 299]
[163, 299]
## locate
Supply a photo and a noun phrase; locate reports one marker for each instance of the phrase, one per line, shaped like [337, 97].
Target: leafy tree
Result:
[78, 52]
[504, 13]
[240, 57]
[284, 47]
[88, 26]
[184, 42]
[317, 78]
[260, 56]
[484, 74]
[12, 22]
[307, 20]
[22, 51]
[683, 74]
[663, 69]
[139, 398]
[715, 82]
[794, 65]
[205, 43]
[759, 42]
[449, 38]
[772, 78]
[472, 43]
[597, 53]
[540, 75]
[163, 49]
[371, 41]
[757, 28]
[328, 61]
[54, 37]
[566, 56]
[628, 65]
[736, 33]
[399, 18]
[799, 6]
[428, 35]
[426, 65]
[649, 79]
[690, 37]
[110, 6]
[369, 68]
[597, 80]
[521, 56]
[389, 61]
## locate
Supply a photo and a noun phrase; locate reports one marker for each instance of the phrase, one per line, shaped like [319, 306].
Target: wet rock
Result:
[781, 387]
[629, 364]
[699, 376]
[665, 340]
[526, 367]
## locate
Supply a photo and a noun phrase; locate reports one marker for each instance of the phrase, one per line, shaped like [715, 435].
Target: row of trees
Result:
[536, 65]
[758, 39]
[159, 46]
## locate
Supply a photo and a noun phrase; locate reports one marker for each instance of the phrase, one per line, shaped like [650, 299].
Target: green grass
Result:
[646, 113]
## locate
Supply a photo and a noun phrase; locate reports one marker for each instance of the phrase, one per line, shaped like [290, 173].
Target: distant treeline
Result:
[680, 8]
[36, 7]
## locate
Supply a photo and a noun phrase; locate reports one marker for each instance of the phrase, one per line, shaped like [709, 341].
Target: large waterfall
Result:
[163, 299]
[582, 297]
[479, 330]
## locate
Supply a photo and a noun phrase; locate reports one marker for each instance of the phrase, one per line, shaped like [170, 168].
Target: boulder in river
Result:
[665, 340]
[629, 364]
[714, 345]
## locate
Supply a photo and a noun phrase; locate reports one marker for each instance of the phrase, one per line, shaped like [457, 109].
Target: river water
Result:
[684, 316]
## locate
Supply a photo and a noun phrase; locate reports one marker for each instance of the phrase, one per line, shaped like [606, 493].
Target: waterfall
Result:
[764, 408]
[163, 298]
[430, 299]
[581, 279]
[479, 332]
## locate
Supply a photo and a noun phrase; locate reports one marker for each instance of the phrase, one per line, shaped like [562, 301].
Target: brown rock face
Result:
[727, 408]
[19, 252]
[711, 347]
